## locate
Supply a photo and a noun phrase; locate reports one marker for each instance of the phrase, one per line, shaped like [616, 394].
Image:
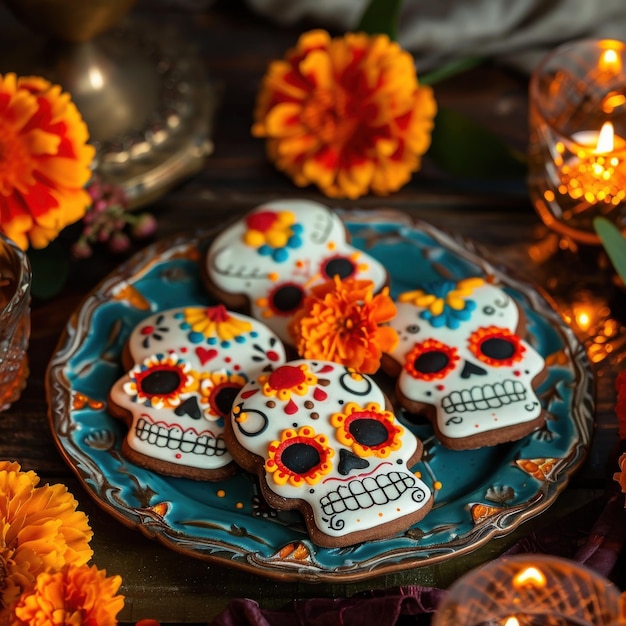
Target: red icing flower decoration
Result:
[496, 346]
[430, 360]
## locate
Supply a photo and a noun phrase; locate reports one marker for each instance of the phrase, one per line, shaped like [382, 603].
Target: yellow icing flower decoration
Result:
[215, 322]
[435, 301]
[346, 114]
[217, 392]
[73, 596]
[287, 380]
[299, 458]
[40, 530]
[45, 160]
[369, 430]
[161, 380]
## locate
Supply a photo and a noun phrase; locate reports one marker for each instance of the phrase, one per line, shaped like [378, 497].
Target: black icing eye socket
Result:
[160, 382]
[286, 298]
[368, 432]
[430, 360]
[413, 329]
[341, 266]
[223, 397]
[300, 458]
[496, 346]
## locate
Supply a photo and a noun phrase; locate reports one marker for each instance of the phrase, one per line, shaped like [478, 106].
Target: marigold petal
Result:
[321, 167]
[22, 107]
[283, 121]
[42, 142]
[316, 68]
[298, 144]
[355, 180]
[313, 40]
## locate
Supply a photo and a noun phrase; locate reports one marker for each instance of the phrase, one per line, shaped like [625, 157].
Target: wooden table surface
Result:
[235, 48]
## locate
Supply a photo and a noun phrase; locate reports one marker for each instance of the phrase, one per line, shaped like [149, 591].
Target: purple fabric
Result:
[383, 608]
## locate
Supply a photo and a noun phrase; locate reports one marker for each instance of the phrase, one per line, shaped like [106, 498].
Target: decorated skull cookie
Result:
[465, 365]
[184, 367]
[322, 439]
[269, 260]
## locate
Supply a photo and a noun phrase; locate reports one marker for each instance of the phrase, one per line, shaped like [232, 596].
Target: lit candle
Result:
[597, 171]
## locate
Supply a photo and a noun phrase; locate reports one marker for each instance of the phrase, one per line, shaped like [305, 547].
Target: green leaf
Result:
[450, 69]
[50, 267]
[614, 243]
[463, 148]
[381, 18]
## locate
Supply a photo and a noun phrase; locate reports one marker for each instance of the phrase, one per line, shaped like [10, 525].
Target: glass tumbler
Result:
[15, 283]
[530, 590]
[577, 141]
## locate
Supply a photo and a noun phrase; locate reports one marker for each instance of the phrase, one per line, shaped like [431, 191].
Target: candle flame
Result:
[610, 61]
[606, 138]
[530, 576]
[511, 621]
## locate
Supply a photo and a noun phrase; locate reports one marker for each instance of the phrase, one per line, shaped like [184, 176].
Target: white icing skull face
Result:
[460, 353]
[189, 365]
[276, 254]
[325, 436]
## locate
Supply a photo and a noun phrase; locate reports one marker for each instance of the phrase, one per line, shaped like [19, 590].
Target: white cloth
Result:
[518, 32]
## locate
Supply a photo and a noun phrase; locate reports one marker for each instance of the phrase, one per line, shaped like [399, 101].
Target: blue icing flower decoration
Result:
[450, 317]
[280, 255]
[445, 303]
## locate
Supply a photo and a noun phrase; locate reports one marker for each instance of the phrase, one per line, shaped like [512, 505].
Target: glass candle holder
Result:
[15, 283]
[577, 142]
[530, 590]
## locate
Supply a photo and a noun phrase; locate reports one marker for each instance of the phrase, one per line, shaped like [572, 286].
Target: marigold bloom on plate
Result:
[74, 596]
[44, 160]
[346, 114]
[343, 321]
[40, 530]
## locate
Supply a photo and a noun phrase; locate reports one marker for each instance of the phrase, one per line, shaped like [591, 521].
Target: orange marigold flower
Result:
[40, 530]
[342, 321]
[44, 160]
[346, 114]
[74, 596]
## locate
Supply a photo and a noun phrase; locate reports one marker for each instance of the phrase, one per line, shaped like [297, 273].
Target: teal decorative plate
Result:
[479, 494]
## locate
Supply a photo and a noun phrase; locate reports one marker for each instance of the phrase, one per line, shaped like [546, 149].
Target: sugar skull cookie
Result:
[184, 367]
[462, 360]
[323, 439]
[266, 262]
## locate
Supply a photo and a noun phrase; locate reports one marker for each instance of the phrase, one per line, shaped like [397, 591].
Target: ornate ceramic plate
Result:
[479, 494]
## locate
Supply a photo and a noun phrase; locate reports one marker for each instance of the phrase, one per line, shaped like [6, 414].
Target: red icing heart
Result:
[205, 355]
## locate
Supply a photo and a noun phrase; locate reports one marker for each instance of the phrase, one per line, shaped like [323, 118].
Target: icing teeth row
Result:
[187, 441]
[485, 397]
[363, 494]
